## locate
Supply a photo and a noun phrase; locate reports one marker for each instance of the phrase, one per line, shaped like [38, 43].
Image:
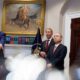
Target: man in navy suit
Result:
[46, 45]
[2, 42]
[57, 53]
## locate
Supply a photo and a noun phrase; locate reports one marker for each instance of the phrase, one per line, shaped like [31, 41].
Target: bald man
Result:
[57, 53]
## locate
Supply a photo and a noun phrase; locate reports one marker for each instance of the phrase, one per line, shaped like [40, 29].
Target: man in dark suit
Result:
[48, 42]
[57, 53]
[2, 42]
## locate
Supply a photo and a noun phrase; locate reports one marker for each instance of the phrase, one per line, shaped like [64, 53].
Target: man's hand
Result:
[42, 54]
[49, 65]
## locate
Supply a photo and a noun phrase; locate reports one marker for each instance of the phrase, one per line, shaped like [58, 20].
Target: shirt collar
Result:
[56, 45]
[50, 39]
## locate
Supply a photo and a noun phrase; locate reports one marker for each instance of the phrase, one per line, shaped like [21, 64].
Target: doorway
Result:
[75, 49]
[75, 41]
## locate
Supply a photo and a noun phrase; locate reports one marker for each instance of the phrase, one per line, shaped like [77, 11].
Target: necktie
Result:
[47, 44]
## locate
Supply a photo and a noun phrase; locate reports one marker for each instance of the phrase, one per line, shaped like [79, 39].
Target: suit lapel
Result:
[57, 49]
[50, 43]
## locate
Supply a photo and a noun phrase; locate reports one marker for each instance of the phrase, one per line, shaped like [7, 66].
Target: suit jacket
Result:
[44, 45]
[57, 57]
[2, 38]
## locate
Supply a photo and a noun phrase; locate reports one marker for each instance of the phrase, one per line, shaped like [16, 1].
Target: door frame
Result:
[67, 30]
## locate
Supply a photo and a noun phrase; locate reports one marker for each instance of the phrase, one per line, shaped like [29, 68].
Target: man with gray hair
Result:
[46, 45]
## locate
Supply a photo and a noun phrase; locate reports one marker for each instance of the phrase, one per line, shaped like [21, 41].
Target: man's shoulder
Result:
[64, 46]
[52, 40]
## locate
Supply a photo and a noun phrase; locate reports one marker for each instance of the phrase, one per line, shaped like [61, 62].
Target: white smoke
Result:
[23, 67]
[53, 74]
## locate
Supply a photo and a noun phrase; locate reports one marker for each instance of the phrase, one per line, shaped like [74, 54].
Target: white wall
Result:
[52, 18]
[13, 50]
[73, 6]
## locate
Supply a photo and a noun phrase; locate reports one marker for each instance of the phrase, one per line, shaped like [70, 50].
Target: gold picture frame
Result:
[23, 16]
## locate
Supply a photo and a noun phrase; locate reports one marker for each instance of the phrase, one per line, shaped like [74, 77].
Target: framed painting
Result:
[23, 16]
